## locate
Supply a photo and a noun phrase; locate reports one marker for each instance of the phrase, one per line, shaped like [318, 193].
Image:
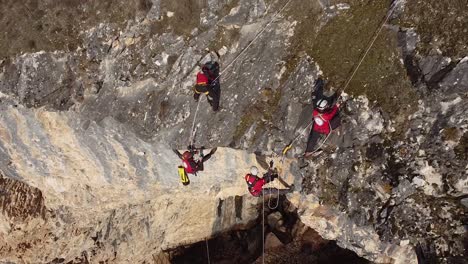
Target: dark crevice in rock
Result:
[238, 201]
[287, 240]
[220, 208]
[436, 78]
[394, 169]
[384, 212]
[412, 69]
[429, 70]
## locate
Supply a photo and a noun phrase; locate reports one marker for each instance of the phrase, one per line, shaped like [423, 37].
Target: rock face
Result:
[94, 95]
[99, 188]
[331, 224]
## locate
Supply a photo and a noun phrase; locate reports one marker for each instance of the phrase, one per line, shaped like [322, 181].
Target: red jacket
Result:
[322, 120]
[190, 166]
[255, 184]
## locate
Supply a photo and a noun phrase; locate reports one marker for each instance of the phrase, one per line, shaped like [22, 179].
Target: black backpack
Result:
[211, 70]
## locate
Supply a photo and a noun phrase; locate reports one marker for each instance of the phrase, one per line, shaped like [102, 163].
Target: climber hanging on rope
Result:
[190, 164]
[326, 117]
[255, 184]
[208, 83]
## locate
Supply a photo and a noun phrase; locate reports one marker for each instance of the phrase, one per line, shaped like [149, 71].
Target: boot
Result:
[213, 150]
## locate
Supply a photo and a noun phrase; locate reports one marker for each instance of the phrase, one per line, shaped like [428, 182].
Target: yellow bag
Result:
[183, 176]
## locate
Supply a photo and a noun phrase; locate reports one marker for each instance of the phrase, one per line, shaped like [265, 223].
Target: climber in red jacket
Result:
[191, 165]
[255, 183]
[325, 116]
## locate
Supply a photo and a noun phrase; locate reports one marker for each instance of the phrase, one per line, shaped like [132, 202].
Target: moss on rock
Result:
[441, 25]
[30, 26]
[340, 43]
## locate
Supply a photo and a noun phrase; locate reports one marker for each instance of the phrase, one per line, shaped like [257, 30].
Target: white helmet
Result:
[322, 104]
[254, 170]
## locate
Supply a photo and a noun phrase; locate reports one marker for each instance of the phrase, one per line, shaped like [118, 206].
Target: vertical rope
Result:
[263, 229]
[192, 132]
[207, 251]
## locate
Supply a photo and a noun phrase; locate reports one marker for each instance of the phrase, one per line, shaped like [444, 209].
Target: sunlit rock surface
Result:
[94, 95]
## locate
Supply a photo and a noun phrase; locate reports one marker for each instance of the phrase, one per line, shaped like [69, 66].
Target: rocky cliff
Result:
[93, 96]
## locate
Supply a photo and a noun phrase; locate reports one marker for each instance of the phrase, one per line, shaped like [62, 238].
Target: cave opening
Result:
[287, 240]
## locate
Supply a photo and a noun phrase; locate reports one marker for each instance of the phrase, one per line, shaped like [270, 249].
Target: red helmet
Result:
[187, 155]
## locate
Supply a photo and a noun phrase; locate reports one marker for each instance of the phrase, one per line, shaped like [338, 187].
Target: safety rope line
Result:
[207, 251]
[389, 14]
[263, 229]
[253, 40]
[192, 131]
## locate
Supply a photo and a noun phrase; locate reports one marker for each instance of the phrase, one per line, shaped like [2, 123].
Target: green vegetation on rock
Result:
[441, 25]
[341, 42]
[32, 25]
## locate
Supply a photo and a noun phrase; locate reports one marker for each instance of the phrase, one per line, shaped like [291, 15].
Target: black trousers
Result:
[270, 176]
[202, 160]
[213, 96]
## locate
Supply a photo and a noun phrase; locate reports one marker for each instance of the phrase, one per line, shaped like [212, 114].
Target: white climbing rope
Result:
[253, 40]
[207, 251]
[192, 131]
[389, 14]
[263, 229]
